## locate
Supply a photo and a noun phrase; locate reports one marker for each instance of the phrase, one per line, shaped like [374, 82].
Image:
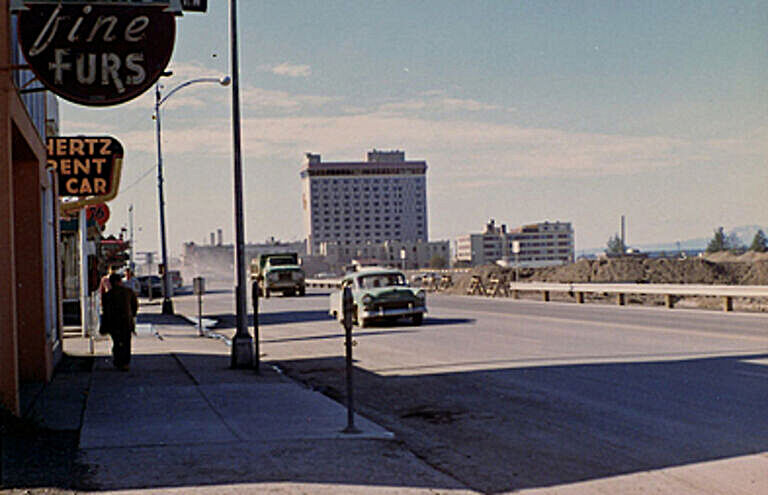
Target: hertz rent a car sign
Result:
[96, 54]
[88, 168]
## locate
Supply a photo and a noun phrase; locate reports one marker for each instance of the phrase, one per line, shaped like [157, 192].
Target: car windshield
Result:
[380, 280]
[281, 261]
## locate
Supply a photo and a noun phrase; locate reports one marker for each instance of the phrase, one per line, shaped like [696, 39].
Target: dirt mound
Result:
[633, 270]
[652, 271]
[757, 274]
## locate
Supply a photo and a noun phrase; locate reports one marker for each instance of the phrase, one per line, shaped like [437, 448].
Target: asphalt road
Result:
[507, 395]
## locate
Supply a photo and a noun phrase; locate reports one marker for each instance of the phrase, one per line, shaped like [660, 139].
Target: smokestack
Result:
[623, 236]
[213, 239]
[221, 236]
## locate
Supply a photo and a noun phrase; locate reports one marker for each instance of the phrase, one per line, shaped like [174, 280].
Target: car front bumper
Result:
[388, 312]
[285, 285]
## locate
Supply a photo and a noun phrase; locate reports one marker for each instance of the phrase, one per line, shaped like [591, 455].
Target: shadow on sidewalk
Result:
[227, 321]
[161, 319]
[186, 420]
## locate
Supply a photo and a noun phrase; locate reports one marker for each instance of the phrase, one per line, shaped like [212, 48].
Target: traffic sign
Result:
[98, 213]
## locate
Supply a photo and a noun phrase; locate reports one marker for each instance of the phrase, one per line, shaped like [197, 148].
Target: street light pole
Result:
[167, 303]
[242, 342]
[224, 81]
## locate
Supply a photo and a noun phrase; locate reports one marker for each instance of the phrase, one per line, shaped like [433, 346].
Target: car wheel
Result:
[266, 293]
[302, 291]
[417, 319]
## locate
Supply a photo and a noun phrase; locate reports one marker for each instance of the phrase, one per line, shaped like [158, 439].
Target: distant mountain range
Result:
[745, 234]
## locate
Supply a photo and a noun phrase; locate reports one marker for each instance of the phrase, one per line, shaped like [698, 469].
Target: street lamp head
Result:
[225, 80]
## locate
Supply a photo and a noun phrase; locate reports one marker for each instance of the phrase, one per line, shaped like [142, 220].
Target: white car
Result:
[380, 294]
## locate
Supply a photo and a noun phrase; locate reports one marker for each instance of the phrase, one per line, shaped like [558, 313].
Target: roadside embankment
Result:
[719, 269]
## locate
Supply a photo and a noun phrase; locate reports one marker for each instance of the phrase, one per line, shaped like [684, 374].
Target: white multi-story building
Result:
[540, 244]
[383, 198]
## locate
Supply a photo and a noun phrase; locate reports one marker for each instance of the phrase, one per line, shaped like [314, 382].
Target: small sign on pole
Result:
[194, 5]
[198, 288]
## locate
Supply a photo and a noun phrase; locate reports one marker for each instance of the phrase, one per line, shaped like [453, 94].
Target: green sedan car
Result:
[380, 294]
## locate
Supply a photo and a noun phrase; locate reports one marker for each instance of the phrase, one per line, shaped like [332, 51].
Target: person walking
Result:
[104, 282]
[120, 306]
[132, 282]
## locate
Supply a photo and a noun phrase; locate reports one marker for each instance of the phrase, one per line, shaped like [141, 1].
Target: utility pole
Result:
[242, 343]
[623, 238]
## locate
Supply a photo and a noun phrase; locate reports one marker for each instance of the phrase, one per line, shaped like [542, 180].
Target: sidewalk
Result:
[182, 421]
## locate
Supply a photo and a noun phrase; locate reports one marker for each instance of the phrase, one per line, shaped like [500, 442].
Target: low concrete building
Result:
[218, 257]
[540, 244]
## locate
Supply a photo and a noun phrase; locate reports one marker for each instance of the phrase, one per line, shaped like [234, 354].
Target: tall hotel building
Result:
[383, 198]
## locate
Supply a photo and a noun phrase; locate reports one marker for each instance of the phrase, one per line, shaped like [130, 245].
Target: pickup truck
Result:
[278, 272]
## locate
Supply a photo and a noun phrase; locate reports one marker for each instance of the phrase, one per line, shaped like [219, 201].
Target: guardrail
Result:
[670, 291]
[323, 283]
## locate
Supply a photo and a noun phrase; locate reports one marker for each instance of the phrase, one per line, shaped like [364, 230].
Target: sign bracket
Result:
[173, 6]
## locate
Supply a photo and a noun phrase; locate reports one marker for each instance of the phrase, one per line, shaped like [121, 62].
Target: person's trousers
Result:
[121, 348]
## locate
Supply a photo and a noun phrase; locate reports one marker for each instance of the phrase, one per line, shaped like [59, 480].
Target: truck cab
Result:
[278, 272]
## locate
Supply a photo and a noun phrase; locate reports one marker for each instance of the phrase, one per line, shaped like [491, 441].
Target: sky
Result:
[524, 111]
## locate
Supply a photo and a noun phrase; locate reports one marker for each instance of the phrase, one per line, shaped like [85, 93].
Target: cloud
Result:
[259, 98]
[465, 150]
[291, 70]
[438, 102]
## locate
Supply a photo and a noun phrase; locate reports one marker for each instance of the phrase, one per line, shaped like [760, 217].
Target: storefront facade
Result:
[30, 284]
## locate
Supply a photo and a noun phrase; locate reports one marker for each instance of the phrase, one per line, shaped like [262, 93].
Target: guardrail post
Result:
[669, 301]
[621, 299]
[727, 303]
[545, 296]
[580, 297]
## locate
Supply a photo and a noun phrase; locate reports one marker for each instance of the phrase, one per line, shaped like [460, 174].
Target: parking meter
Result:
[348, 313]
[348, 308]
[198, 286]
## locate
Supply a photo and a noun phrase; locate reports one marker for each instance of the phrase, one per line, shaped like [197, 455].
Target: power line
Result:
[142, 177]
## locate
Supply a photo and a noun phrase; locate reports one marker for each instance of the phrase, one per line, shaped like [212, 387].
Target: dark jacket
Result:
[120, 306]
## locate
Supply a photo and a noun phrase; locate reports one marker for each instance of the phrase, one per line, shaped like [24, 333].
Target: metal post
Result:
[83, 251]
[198, 287]
[242, 343]
[167, 303]
[200, 314]
[348, 309]
[255, 299]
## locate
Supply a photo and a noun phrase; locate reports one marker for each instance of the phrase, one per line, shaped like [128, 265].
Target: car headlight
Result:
[367, 300]
[272, 276]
